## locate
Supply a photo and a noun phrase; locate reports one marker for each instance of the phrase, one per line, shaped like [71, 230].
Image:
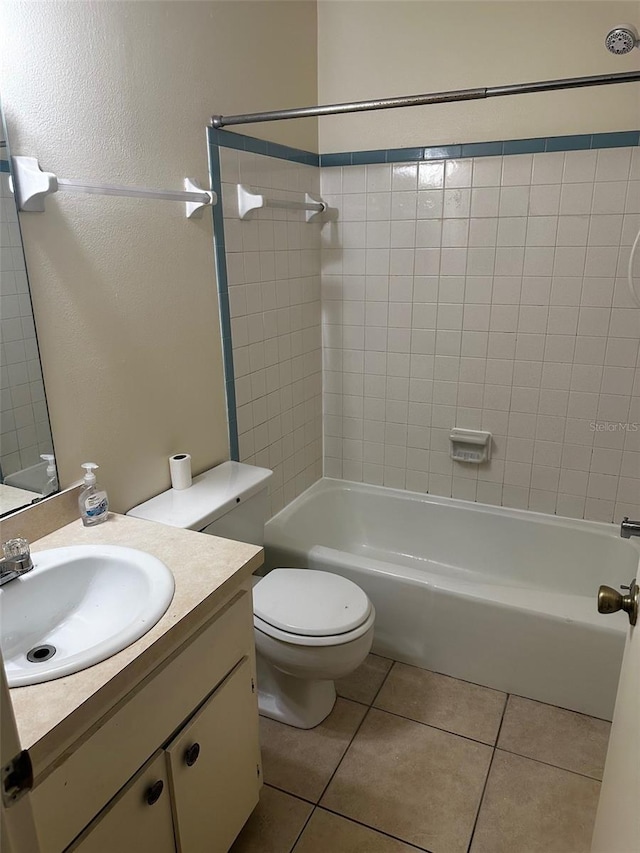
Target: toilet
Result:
[311, 627]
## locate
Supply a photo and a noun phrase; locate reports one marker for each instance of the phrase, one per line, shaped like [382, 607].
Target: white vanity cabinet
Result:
[138, 818]
[175, 765]
[199, 790]
[212, 768]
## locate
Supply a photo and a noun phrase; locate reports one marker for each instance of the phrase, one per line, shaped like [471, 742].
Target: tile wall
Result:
[486, 293]
[24, 422]
[273, 274]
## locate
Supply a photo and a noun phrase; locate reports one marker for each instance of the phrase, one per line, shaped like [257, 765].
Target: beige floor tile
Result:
[302, 761]
[533, 808]
[562, 738]
[412, 781]
[326, 831]
[363, 684]
[447, 703]
[274, 825]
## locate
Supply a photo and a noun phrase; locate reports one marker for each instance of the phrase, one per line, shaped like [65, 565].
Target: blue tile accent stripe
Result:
[524, 146]
[482, 149]
[4, 166]
[359, 157]
[569, 143]
[338, 159]
[226, 139]
[615, 140]
[577, 142]
[223, 299]
[402, 155]
[442, 152]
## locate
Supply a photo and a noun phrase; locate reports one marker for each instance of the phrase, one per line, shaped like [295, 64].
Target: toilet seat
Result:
[301, 640]
[311, 608]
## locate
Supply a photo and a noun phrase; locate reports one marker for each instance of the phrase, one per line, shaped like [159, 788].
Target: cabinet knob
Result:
[191, 754]
[153, 793]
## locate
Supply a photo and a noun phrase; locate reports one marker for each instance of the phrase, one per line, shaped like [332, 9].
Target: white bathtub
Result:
[504, 598]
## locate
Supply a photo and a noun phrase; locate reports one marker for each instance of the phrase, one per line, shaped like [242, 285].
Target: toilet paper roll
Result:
[180, 468]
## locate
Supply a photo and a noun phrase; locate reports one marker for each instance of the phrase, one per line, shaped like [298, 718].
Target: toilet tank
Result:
[229, 500]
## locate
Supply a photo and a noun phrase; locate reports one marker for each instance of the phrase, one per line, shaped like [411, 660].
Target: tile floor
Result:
[410, 760]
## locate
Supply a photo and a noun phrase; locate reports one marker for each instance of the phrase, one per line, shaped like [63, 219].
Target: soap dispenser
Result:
[51, 483]
[93, 501]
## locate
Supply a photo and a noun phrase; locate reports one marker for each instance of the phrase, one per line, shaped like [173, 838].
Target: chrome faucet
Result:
[16, 561]
[629, 528]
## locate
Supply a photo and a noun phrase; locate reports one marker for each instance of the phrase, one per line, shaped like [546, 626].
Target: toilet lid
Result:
[310, 603]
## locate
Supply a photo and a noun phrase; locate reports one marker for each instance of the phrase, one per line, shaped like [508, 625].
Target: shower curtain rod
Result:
[219, 121]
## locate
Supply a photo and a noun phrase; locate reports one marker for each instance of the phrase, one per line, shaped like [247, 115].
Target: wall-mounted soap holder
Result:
[470, 445]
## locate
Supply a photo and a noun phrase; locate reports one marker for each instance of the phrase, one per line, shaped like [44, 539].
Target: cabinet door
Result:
[213, 766]
[138, 818]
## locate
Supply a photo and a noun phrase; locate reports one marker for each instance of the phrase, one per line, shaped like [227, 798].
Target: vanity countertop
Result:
[12, 498]
[54, 715]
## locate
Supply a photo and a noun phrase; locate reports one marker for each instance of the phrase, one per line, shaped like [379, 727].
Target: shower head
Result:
[622, 39]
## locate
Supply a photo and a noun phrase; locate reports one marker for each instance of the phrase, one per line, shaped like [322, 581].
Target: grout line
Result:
[291, 794]
[374, 829]
[455, 678]
[486, 781]
[384, 681]
[480, 802]
[433, 726]
[369, 709]
[364, 717]
[504, 712]
[506, 693]
[559, 707]
[494, 748]
[299, 835]
[547, 764]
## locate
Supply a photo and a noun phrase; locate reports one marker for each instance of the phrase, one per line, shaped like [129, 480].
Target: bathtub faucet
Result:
[629, 528]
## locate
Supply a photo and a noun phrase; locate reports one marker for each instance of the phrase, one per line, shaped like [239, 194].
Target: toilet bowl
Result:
[310, 628]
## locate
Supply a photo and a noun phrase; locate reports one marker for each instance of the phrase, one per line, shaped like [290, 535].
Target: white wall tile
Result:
[275, 305]
[613, 164]
[498, 303]
[487, 171]
[580, 167]
[576, 198]
[431, 175]
[404, 176]
[544, 200]
[458, 173]
[517, 169]
[609, 197]
[548, 168]
[485, 201]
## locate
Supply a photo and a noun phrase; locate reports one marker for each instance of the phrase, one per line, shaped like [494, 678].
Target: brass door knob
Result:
[610, 601]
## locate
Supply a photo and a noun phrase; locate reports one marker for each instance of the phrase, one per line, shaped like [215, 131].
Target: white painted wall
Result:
[385, 49]
[124, 291]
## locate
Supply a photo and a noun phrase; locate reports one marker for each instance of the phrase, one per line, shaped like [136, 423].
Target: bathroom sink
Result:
[77, 607]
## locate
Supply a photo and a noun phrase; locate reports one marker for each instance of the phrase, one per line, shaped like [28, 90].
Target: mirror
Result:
[27, 463]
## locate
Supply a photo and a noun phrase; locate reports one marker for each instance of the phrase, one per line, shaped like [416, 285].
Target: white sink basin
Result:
[87, 602]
